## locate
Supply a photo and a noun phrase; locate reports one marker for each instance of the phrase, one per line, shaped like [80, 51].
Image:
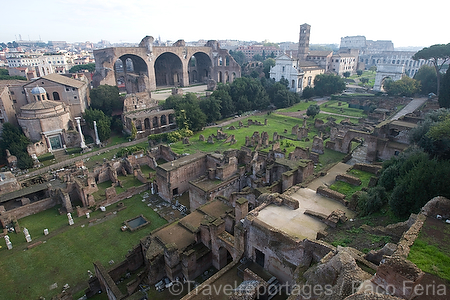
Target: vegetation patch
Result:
[68, 251]
[347, 189]
[430, 259]
[430, 251]
[343, 109]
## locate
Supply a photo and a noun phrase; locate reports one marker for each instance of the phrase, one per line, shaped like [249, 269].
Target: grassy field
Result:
[98, 159]
[275, 123]
[333, 107]
[297, 107]
[68, 252]
[347, 189]
[366, 74]
[430, 251]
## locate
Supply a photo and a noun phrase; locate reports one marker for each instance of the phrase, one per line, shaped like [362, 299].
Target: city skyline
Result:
[117, 21]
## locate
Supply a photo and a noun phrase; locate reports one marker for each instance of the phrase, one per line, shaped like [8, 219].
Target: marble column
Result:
[97, 140]
[82, 144]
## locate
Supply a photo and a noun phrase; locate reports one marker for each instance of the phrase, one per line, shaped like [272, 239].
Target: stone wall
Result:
[282, 257]
[349, 179]
[374, 169]
[173, 177]
[107, 283]
[127, 194]
[199, 196]
[133, 261]
[27, 210]
[329, 193]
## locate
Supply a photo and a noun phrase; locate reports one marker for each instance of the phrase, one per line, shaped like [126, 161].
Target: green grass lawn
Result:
[347, 189]
[366, 74]
[297, 107]
[430, 259]
[276, 123]
[333, 107]
[98, 159]
[430, 251]
[67, 256]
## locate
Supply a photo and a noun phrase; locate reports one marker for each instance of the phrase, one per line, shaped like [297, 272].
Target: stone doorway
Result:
[259, 257]
[55, 142]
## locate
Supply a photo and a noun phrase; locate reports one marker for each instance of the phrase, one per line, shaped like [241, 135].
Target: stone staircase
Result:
[273, 285]
[60, 155]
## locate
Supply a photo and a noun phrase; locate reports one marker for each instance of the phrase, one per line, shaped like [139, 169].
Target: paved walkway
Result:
[409, 108]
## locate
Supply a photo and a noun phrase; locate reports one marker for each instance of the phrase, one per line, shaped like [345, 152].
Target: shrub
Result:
[308, 92]
[129, 150]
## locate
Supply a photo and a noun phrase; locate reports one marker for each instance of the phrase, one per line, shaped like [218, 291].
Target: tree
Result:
[89, 67]
[106, 98]
[364, 80]
[248, 94]
[327, 84]
[258, 57]
[346, 74]
[433, 134]
[373, 68]
[4, 75]
[16, 142]
[404, 87]
[267, 64]
[273, 89]
[226, 103]
[313, 110]
[211, 108]
[417, 180]
[238, 56]
[359, 72]
[284, 98]
[427, 78]
[308, 92]
[103, 122]
[188, 113]
[133, 131]
[444, 95]
[439, 54]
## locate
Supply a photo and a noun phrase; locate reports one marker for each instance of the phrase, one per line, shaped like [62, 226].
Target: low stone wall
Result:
[26, 210]
[210, 281]
[349, 179]
[395, 230]
[329, 193]
[127, 194]
[409, 237]
[374, 169]
[133, 261]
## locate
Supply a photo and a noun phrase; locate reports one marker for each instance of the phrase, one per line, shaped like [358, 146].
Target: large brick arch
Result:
[214, 61]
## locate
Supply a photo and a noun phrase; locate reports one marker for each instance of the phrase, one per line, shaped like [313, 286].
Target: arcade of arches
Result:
[149, 122]
[144, 68]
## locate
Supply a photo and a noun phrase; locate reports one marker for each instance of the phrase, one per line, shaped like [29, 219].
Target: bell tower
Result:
[303, 42]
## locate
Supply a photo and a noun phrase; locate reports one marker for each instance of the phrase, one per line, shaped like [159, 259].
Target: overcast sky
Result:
[405, 23]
